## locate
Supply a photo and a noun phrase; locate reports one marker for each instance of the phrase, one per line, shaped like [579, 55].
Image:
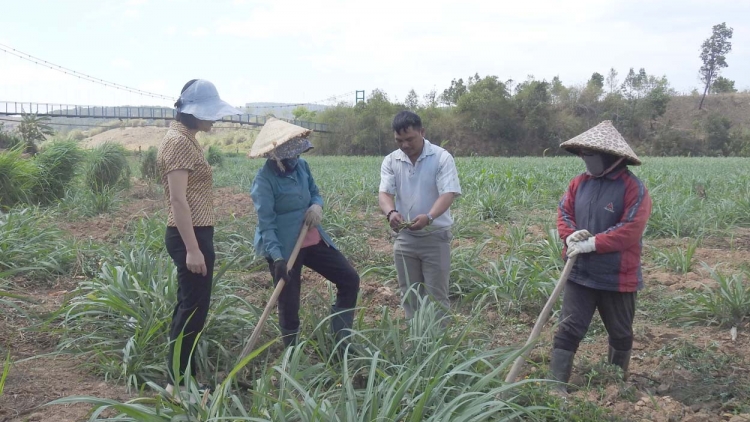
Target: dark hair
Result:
[406, 119]
[190, 121]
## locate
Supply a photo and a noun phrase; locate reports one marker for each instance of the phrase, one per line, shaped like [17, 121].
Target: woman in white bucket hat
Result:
[285, 197]
[187, 180]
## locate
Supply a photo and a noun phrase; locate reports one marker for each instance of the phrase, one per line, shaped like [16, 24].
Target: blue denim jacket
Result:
[281, 202]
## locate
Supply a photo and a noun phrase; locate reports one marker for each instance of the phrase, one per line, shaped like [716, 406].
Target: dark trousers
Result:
[579, 303]
[193, 294]
[326, 261]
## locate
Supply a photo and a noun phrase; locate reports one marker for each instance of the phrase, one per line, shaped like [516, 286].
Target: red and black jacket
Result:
[615, 208]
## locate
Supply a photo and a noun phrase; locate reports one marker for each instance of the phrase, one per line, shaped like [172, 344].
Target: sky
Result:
[310, 51]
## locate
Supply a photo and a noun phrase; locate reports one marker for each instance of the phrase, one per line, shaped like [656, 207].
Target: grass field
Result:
[86, 298]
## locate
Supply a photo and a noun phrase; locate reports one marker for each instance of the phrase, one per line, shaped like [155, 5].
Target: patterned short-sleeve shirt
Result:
[179, 150]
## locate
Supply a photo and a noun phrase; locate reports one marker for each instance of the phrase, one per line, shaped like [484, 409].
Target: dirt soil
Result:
[37, 377]
[130, 137]
[659, 389]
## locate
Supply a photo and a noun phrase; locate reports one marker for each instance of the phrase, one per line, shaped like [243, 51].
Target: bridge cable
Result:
[41, 62]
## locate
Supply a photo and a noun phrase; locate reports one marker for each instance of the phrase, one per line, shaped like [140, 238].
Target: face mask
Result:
[289, 163]
[595, 164]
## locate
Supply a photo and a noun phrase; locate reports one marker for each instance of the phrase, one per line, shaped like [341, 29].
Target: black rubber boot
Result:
[289, 337]
[342, 320]
[560, 366]
[620, 358]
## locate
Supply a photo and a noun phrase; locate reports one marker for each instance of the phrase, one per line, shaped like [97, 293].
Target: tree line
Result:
[485, 115]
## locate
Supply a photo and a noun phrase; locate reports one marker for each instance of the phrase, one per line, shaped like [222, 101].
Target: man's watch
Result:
[429, 219]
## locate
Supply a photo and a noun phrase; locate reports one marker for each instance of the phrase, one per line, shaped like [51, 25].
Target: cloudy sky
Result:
[309, 51]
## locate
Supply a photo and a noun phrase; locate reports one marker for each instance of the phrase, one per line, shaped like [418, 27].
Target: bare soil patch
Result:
[37, 375]
[132, 138]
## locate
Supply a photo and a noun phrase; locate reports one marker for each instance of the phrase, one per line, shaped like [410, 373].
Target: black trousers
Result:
[579, 303]
[326, 261]
[193, 294]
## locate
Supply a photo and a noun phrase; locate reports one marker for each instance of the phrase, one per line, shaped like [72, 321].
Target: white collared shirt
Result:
[418, 186]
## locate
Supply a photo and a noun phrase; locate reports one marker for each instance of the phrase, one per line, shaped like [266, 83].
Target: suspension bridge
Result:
[14, 108]
[75, 78]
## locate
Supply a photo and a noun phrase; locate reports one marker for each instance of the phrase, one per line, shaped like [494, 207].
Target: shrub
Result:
[76, 135]
[94, 203]
[107, 167]
[149, 168]
[19, 178]
[9, 140]
[214, 156]
[57, 167]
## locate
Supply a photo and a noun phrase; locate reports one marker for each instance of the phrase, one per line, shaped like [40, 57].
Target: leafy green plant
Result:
[423, 373]
[19, 178]
[600, 373]
[118, 322]
[149, 168]
[726, 305]
[215, 156]
[97, 202]
[147, 233]
[493, 205]
[57, 165]
[106, 167]
[513, 283]
[28, 239]
[677, 260]
[33, 129]
[6, 371]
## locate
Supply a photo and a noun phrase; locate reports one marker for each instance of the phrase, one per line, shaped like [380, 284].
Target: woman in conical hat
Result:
[285, 197]
[601, 219]
[187, 180]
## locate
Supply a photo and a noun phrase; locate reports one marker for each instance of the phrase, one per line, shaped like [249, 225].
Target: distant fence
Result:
[12, 108]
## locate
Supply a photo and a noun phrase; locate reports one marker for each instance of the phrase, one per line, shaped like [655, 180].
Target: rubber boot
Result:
[289, 337]
[561, 365]
[342, 320]
[620, 358]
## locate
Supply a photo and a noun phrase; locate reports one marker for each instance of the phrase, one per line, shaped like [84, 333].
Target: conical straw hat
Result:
[274, 133]
[603, 138]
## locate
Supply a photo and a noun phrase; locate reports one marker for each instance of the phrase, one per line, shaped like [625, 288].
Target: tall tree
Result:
[488, 112]
[557, 90]
[412, 100]
[596, 82]
[612, 81]
[633, 85]
[713, 55]
[451, 95]
[430, 99]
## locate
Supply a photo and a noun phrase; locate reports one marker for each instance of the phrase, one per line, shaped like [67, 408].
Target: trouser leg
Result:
[193, 296]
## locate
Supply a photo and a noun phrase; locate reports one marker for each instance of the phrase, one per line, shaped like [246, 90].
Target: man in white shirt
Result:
[423, 180]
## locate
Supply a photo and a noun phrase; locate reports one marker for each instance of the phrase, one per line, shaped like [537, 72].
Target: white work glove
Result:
[577, 236]
[313, 215]
[584, 246]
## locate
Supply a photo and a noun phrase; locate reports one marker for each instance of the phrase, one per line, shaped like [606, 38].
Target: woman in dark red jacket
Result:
[601, 218]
